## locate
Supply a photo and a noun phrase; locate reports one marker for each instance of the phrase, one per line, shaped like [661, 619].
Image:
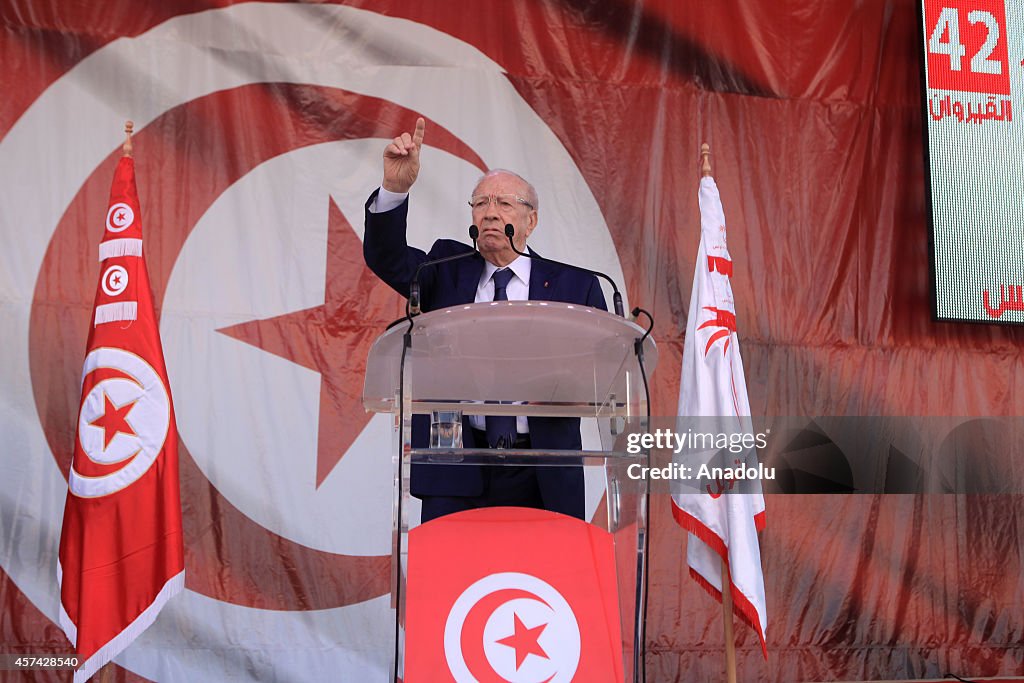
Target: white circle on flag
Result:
[120, 217]
[104, 438]
[139, 386]
[114, 280]
[552, 649]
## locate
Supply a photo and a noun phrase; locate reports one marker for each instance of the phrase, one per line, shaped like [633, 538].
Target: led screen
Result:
[974, 113]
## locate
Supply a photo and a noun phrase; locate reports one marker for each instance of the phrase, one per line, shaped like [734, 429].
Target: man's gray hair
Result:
[531, 194]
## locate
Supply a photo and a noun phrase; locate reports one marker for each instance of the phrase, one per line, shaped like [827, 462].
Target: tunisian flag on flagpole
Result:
[121, 551]
[722, 527]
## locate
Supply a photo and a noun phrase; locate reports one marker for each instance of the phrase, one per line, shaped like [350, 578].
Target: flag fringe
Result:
[121, 310]
[115, 645]
[124, 246]
[741, 605]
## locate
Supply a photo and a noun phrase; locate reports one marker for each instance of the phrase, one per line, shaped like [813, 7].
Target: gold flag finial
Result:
[127, 146]
[705, 160]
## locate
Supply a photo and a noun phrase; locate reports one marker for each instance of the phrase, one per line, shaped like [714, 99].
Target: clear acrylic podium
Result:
[550, 359]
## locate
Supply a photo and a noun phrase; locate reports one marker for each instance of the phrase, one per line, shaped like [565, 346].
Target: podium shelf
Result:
[517, 456]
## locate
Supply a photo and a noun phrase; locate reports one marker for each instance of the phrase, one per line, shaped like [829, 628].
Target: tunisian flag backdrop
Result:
[263, 124]
[121, 551]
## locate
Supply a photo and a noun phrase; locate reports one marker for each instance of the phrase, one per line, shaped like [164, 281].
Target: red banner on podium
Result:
[512, 594]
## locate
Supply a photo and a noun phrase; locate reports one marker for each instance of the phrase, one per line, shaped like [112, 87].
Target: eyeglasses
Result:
[504, 202]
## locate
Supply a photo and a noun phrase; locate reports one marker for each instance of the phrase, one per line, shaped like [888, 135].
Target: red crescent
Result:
[87, 466]
[472, 636]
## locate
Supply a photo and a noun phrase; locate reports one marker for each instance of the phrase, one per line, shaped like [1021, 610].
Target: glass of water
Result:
[446, 429]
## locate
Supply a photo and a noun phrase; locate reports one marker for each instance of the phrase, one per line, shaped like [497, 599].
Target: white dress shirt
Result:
[387, 200]
[518, 289]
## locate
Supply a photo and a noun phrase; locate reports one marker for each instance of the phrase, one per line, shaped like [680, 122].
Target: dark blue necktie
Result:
[501, 279]
[501, 429]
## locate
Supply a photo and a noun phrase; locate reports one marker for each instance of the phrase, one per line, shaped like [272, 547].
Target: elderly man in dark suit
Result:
[497, 273]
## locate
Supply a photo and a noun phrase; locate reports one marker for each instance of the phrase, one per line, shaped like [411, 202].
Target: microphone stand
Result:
[412, 308]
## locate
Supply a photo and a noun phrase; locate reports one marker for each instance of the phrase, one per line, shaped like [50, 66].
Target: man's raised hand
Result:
[402, 160]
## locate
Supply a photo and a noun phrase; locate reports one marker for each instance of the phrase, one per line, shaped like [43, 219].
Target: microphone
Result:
[412, 307]
[510, 232]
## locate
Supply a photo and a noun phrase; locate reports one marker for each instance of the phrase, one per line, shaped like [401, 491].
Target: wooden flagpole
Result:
[730, 641]
[106, 674]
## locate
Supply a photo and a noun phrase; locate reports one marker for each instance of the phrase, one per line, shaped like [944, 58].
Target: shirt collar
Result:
[521, 267]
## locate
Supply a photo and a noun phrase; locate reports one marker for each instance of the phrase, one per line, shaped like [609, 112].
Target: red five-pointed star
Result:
[524, 640]
[114, 420]
[332, 339]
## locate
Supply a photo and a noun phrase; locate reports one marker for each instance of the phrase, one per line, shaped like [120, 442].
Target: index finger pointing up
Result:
[417, 136]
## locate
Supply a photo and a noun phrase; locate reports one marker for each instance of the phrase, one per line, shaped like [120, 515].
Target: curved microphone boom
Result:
[413, 305]
[510, 232]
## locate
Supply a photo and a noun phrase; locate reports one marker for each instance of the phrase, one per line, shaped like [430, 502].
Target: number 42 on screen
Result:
[967, 45]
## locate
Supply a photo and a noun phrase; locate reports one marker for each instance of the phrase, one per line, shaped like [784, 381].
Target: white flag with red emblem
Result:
[121, 550]
[723, 526]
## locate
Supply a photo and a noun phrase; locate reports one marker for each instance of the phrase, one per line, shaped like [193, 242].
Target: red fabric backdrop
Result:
[813, 114]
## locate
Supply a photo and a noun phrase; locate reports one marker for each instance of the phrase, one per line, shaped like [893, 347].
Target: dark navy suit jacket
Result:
[450, 284]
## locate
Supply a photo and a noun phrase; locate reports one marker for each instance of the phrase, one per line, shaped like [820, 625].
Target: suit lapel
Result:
[542, 279]
[467, 278]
